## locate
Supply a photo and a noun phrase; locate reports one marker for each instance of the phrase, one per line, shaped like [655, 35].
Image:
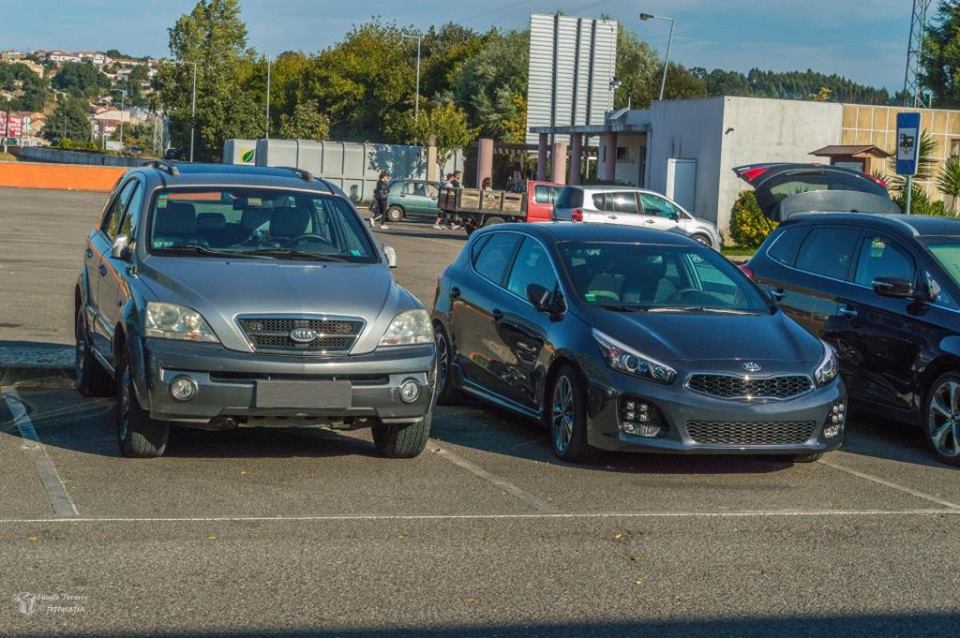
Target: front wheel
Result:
[395, 214]
[941, 424]
[401, 441]
[703, 239]
[139, 435]
[447, 392]
[567, 416]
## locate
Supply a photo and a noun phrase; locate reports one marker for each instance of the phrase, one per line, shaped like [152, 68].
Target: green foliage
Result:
[305, 123]
[638, 69]
[920, 203]
[948, 181]
[926, 164]
[748, 225]
[70, 121]
[80, 79]
[78, 145]
[445, 121]
[940, 59]
[30, 90]
[790, 85]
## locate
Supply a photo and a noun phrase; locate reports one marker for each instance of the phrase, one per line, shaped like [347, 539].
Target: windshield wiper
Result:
[719, 311]
[203, 250]
[621, 307]
[297, 254]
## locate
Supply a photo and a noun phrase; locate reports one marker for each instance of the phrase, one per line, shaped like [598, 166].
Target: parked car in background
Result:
[540, 198]
[884, 291]
[222, 297]
[412, 197]
[630, 339]
[632, 207]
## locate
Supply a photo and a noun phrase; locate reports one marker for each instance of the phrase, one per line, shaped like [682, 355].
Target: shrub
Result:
[748, 225]
[921, 204]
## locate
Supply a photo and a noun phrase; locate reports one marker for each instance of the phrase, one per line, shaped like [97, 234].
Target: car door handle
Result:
[89, 253]
[497, 315]
[454, 293]
[651, 221]
[103, 270]
[611, 217]
[847, 311]
[778, 293]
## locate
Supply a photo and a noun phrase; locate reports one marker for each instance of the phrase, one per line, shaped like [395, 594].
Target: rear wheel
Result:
[493, 219]
[941, 424]
[567, 416]
[401, 441]
[703, 239]
[447, 392]
[139, 435]
[395, 214]
[92, 380]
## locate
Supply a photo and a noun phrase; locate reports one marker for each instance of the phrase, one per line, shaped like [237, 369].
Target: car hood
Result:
[721, 342]
[222, 289]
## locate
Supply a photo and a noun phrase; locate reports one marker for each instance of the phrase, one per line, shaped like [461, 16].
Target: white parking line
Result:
[57, 493]
[503, 484]
[890, 484]
[480, 517]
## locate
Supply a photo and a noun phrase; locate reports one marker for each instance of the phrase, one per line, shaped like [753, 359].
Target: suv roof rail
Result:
[163, 165]
[305, 175]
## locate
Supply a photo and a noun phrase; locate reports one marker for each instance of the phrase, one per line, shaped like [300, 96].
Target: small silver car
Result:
[630, 206]
[222, 297]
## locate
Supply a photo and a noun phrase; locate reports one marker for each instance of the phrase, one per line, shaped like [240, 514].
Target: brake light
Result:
[576, 215]
[753, 173]
[879, 180]
[747, 270]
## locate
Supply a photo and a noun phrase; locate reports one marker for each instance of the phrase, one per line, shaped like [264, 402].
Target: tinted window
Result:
[600, 202]
[656, 205]
[786, 244]
[570, 197]
[477, 247]
[622, 202]
[545, 194]
[111, 221]
[495, 256]
[532, 266]
[879, 257]
[131, 212]
[780, 187]
[828, 251]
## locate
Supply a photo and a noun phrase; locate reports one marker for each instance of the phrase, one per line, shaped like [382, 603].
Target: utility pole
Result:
[193, 110]
[267, 133]
[666, 59]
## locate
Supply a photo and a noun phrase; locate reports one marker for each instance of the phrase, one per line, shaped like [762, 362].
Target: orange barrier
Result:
[73, 177]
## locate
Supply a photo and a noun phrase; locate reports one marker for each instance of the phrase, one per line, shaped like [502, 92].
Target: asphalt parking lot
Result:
[277, 533]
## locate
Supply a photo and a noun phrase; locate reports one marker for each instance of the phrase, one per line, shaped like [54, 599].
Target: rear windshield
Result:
[269, 223]
[546, 194]
[780, 187]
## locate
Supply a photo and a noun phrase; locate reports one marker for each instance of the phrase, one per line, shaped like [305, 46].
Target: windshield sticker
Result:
[590, 297]
[162, 200]
[354, 252]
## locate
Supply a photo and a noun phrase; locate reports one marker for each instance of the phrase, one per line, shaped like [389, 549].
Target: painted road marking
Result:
[890, 484]
[503, 484]
[57, 493]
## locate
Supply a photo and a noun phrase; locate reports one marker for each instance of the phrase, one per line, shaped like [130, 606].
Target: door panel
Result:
[658, 212]
[114, 290]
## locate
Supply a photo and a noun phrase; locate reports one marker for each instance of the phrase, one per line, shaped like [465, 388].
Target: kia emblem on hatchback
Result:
[303, 335]
[752, 366]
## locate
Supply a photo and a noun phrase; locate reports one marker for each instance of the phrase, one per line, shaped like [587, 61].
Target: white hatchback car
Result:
[632, 207]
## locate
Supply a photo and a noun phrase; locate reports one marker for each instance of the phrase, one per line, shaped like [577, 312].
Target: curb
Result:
[36, 376]
[36, 363]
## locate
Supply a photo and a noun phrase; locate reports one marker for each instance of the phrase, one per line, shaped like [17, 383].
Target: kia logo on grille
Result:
[303, 335]
[751, 366]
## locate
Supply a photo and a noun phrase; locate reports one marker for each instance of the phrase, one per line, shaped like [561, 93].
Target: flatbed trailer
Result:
[474, 208]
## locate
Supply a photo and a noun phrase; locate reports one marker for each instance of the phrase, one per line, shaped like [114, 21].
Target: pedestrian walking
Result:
[380, 196]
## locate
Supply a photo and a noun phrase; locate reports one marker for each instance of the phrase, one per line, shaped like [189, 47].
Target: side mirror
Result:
[539, 297]
[675, 215]
[121, 248]
[896, 287]
[391, 254]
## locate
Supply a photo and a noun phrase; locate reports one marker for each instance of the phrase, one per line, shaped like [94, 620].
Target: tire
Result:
[703, 239]
[139, 435]
[808, 458]
[447, 392]
[941, 419]
[395, 214]
[566, 408]
[92, 380]
[494, 219]
[401, 441]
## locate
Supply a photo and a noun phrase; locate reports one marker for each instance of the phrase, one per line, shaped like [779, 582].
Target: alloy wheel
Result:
[944, 419]
[123, 406]
[563, 414]
[80, 352]
[443, 360]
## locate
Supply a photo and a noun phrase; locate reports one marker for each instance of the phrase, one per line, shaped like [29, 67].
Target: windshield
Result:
[946, 250]
[657, 278]
[249, 222]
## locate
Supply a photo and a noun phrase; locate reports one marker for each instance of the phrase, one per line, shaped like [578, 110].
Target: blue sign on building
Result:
[908, 143]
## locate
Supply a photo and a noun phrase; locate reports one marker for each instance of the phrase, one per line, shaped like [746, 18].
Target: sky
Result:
[863, 40]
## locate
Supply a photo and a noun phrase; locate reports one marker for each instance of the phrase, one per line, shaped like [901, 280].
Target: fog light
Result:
[639, 418]
[183, 389]
[409, 391]
[836, 420]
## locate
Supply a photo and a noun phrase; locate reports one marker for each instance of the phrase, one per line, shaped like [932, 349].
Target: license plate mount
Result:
[307, 395]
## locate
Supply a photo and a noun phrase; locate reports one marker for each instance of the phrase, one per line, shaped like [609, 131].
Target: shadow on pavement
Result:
[875, 436]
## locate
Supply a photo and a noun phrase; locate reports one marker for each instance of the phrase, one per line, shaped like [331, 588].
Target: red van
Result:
[541, 196]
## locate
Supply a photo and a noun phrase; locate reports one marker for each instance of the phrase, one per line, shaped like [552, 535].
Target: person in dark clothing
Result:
[380, 196]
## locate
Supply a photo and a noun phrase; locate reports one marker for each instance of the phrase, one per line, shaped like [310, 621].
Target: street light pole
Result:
[666, 59]
[193, 109]
[267, 133]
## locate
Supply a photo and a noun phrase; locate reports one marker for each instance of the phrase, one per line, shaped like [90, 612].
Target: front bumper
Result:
[227, 380]
[680, 406]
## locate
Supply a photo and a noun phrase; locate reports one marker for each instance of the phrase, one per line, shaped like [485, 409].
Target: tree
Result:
[443, 52]
[823, 94]
[447, 123]
[70, 121]
[306, 123]
[80, 79]
[215, 38]
[940, 60]
[948, 182]
[638, 67]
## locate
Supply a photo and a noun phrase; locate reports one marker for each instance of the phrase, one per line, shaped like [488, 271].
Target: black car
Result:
[631, 339]
[884, 291]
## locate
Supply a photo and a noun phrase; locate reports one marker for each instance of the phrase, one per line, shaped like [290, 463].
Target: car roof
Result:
[907, 225]
[552, 232]
[186, 174]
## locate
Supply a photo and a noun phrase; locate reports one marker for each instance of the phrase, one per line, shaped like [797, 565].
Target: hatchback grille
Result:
[742, 433]
[724, 386]
[272, 334]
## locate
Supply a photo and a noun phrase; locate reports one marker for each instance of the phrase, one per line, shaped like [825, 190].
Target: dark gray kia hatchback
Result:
[632, 339]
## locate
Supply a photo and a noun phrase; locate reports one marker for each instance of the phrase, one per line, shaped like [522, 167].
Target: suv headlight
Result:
[409, 328]
[828, 368]
[622, 358]
[170, 321]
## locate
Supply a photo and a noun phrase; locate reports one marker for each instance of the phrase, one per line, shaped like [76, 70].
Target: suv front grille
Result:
[724, 386]
[272, 334]
[741, 433]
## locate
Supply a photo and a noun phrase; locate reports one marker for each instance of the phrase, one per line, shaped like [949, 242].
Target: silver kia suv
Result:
[224, 297]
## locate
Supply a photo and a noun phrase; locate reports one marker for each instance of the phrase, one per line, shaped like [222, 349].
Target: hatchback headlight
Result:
[828, 368]
[622, 358]
[170, 321]
[409, 328]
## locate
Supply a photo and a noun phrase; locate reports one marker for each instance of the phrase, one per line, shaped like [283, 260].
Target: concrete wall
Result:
[52, 155]
[628, 171]
[758, 130]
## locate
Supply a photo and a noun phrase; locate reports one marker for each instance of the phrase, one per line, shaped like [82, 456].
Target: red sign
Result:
[14, 127]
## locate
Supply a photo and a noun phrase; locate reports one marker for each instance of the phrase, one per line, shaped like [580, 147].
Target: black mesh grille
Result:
[741, 433]
[272, 333]
[730, 387]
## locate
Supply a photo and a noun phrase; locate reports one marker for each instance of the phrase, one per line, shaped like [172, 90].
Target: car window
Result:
[111, 221]
[624, 202]
[600, 202]
[545, 194]
[656, 205]
[432, 191]
[879, 257]
[494, 257]
[531, 266]
[570, 197]
[131, 212]
[477, 247]
[786, 244]
[828, 251]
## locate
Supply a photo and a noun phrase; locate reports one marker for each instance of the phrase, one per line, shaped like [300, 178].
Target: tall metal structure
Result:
[913, 91]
